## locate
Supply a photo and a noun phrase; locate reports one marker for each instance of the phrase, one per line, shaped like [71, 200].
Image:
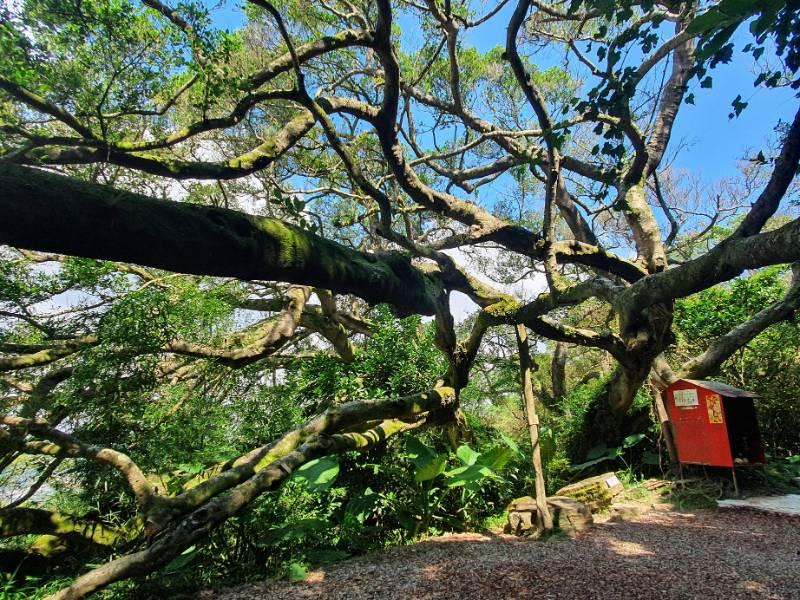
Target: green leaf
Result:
[318, 474]
[290, 531]
[713, 18]
[597, 455]
[650, 458]
[597, 451]
[632, 440]
[191, 469]
[738, 106]
[591, 463]
[431, 470]
[463, 476]
[496, 458]
[296, 571]
[467, 455]
[513, 445]
[418, 453]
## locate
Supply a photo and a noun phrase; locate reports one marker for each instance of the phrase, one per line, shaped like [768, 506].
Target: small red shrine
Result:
[714, 424]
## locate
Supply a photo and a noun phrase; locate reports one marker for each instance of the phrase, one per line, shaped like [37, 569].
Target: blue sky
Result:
[719, 141]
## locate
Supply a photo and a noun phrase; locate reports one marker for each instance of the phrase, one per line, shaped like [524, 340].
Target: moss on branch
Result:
[101, 222]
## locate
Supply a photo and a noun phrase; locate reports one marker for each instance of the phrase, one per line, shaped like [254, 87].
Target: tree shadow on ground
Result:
[706, 554]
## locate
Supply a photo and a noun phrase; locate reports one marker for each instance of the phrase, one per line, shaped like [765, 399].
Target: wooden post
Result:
[666, 425]
[544, 520]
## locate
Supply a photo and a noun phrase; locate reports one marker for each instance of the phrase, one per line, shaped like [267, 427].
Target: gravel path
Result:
[707, 555]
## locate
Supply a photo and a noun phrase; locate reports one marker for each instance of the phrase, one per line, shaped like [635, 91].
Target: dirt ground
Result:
[706, 555]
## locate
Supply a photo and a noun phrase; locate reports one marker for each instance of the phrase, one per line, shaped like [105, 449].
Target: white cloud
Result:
[525, 290]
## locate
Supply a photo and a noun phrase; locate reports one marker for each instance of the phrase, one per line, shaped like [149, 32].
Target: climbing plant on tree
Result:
[237, 198]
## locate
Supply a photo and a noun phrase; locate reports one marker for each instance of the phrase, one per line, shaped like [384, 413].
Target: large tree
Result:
[322, 149]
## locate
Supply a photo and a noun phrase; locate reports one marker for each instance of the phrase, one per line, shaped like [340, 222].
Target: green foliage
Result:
[602, 453]
[330, 508]
[773, 20]
[445, 498]
[399, 358]
[318, 474]
[767, 365]
[78, 49]
[714, 312]
[785, 467]
[565, 432]
[17, 587]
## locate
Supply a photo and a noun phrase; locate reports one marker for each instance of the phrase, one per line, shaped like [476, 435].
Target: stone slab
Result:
[784, 505]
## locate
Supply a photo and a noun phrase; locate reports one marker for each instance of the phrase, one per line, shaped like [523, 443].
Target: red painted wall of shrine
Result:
[711, 427]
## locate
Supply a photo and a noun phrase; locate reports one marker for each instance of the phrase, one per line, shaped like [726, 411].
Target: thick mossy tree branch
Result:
[325, 319]
[726, 345]
[722, 263]
[195, 527]
[42, 105]
[305, 52]
[334, 420]
[272, 336]
[98, 221]
[355, 419]
[42, 354]
[60, 443]
[27, 521]
[597, 287]
[166, 165]
[337, 334]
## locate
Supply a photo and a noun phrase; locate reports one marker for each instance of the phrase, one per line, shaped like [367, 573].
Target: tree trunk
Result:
[602, 424]
[558, 373]
[666, 426]
[544, 520]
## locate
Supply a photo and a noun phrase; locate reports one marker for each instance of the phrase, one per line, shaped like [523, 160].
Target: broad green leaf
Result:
[597, 451]
[513, 445]
[467, 455]
[609, 454]
[496, 458]
[432, 469]
[632, 440]
[463, 476]
[418, 453]
[711, 19]
[650, 458]
[318, 474]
